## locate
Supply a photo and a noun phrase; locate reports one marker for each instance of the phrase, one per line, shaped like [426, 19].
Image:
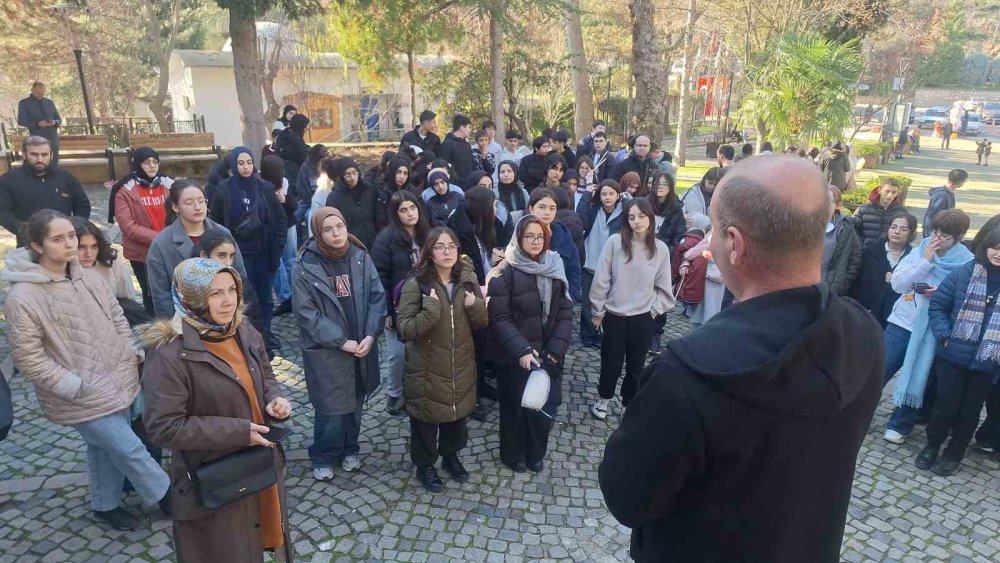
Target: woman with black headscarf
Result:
[248, 206]
[285, 120]
[139, 204]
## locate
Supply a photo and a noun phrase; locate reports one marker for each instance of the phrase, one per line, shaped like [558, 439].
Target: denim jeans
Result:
[114, 452]
[283, 277]
[897, 338]
[334, 437]
[394, 353]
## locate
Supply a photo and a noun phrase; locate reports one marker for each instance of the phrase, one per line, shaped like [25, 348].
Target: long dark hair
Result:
[174, 195]
[423, 225]
[36, 228]
[212, 239]
[668, 203]
[105, 253]
[481, 211]
[992, 224]
[649, 238]
[389, 178]
[272, 169]
[991, 240]
[425, 270]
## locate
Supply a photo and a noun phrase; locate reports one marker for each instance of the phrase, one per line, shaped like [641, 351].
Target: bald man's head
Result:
[780, 205]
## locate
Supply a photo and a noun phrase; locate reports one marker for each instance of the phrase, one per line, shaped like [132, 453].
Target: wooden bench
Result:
[174, 147]
[73, 150]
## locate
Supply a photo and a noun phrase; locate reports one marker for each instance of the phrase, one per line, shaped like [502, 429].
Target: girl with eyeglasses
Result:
[439, 308]
[531, 321]
[340, 305]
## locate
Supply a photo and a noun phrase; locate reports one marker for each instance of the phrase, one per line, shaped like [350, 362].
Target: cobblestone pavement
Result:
[897, 513]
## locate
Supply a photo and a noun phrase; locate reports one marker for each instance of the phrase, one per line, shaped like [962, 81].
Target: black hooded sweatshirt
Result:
[742, 440]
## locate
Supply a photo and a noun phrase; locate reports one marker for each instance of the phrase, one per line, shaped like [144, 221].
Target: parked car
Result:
[975, 125]
[991, 112]
[933, 116]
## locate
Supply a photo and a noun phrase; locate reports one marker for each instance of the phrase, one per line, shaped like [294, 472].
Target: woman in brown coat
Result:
[439, 307]
[209, 392]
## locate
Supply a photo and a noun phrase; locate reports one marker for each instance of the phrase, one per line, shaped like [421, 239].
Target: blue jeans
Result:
[283, 277]
[897, 339]
[334, 437]
[114, 452]
[395, 354]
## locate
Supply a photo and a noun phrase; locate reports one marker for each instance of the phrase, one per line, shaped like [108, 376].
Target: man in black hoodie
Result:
[456, 149]
[742, 440]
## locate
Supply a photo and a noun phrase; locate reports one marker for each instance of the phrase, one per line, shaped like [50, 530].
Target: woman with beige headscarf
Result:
[340, 306]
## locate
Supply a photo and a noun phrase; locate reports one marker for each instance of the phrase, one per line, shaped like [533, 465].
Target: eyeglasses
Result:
[943, 237]
[445, 248]
[533, 238]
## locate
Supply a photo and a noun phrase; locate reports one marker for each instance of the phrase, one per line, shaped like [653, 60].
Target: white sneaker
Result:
[322, 473]
[350, 463]
[599, 410]
[894, 437]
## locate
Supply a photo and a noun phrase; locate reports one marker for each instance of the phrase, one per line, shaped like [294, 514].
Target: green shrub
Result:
[856, 196]
[868, 150]
[876, 182]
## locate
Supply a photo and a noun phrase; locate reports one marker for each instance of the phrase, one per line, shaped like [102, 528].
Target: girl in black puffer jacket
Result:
[531, 321]
[670, 228]
[395, 254]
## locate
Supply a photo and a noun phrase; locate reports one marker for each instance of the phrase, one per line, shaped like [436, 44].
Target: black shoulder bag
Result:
[233, 477]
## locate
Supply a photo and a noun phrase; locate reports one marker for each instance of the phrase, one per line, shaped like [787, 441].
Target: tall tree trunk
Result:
[496, 74]
[165, 46]
[647, 114]
[411, 73]
[684, 98]
[583, 116]
[246, 68]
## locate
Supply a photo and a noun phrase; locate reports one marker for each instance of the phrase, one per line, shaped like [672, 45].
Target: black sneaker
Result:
[118, 519]
[284, 308]
[655, 348]
[165, 506]
[536, 466]
[518, 467]
[945, 466]
[927, 457]
[480, 412]
[454, 467]
[394, 406]
[428, 477]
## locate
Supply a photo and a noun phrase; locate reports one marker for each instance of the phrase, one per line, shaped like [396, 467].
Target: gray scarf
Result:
[549, 267]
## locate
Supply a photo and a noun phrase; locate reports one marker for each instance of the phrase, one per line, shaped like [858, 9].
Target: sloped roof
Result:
[201, 58]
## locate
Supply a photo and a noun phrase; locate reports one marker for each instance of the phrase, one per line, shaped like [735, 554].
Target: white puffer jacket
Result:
[70, 339]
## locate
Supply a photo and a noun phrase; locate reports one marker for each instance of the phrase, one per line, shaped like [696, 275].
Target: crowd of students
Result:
[469, 266]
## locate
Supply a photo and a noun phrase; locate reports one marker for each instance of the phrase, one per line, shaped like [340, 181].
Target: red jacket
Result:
[692, 289]
[137, 229]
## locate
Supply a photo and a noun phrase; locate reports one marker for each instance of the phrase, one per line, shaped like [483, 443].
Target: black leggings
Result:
[961, 393]
[626, 341]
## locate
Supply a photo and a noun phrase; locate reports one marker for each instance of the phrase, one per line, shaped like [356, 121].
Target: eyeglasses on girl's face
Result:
[533, 238]
[445, 248]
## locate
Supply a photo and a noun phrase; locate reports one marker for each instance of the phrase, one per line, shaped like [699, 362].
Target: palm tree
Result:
[802, 88]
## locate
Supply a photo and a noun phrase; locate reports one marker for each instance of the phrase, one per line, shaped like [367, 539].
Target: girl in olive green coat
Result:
[438, 310]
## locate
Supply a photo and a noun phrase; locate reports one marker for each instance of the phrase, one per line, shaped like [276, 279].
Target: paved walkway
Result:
[897, 513]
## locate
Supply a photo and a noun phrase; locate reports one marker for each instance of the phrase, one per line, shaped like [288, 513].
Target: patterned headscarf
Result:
[192, 283]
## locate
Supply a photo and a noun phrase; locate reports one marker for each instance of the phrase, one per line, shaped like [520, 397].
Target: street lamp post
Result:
[62, 11]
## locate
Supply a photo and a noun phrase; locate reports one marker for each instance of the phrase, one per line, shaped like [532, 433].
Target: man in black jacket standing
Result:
[456, 149]
[37, 184]
[423, 135]
[637, 161]
[742, 440]
[39, 116]
[531, 171]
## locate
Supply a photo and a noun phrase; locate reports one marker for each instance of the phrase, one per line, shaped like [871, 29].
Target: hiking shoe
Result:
[284, 308]
[480, 412]
[428, 477]
[927, 457]
[117, 519]
[894, 437]
[322, 473]
[945, 466]
[351, 463]
[454, 467]
[518, 467]
[536, 466]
